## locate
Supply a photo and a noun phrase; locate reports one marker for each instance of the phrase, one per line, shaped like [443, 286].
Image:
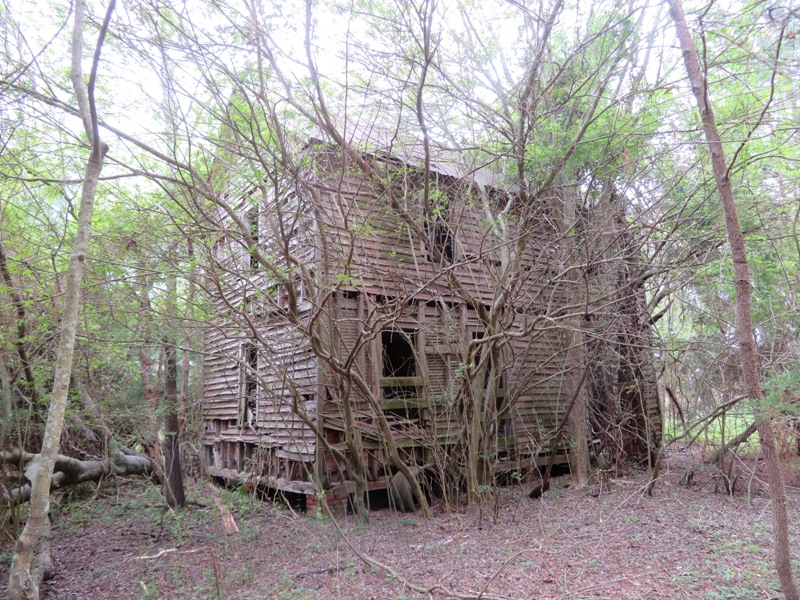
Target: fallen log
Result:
[733, 444]
[71, 471]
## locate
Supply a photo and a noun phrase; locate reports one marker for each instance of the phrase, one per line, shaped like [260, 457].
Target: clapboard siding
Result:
[360, 269]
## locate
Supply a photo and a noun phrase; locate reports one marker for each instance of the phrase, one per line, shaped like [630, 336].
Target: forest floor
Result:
[683, 542]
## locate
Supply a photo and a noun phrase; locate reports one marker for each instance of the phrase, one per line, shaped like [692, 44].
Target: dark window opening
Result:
[252, 219]
[444, 304]
[441, 238]
[250, 386]
[503, 419]
[399, 361]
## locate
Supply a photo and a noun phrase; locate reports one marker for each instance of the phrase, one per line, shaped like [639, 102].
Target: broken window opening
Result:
[252, 219]
[399, 361]
[441, 238]
[504, 428]
[249, 408]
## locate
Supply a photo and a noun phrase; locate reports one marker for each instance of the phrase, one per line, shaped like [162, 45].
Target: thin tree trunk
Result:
[6, 396]
[544, 485]
[20, 343]
[173, 474]
[744, 318]
[579, 417]
[185, 409]
[575, 340]
[151, 394]
[31, 561]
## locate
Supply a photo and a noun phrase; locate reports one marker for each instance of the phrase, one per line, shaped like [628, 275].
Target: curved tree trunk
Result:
[29, 565]
[744, 318]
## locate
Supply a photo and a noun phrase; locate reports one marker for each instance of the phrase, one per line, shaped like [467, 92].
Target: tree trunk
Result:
[575, 340]
[69, 471]
[29, 565]
[579, 416]
[20, 344]
[151, 395]
[6, 396]
[173, 473]
[744, 318]
[185, 409]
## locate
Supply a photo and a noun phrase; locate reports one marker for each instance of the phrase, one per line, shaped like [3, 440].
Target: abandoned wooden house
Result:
[373, 312]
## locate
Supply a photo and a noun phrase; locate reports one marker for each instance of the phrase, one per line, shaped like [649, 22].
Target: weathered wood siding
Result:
[360, 270]
[251, 302]
[370, 249]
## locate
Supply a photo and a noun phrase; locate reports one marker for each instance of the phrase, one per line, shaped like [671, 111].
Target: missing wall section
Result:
[248, 408]
[399, 364]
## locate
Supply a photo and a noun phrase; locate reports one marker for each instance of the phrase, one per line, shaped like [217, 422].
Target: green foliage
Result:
[782, 393]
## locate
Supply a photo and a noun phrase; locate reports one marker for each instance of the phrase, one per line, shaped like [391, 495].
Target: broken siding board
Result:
[279, 363]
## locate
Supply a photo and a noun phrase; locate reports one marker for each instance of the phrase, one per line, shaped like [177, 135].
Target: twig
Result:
[325, 571]
[511, 559]
[161, 553]
[641, 490]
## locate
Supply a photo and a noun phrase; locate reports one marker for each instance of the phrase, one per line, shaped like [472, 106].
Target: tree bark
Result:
[149, 385]
[187, 343]
[173, 473]
[744, 319]
[22, 335]
[544, 485]
[6, 396]
[27, 573]
[576, 345]
[69, 471]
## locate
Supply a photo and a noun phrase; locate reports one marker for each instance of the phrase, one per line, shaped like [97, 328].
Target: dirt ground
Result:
[684, 542]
